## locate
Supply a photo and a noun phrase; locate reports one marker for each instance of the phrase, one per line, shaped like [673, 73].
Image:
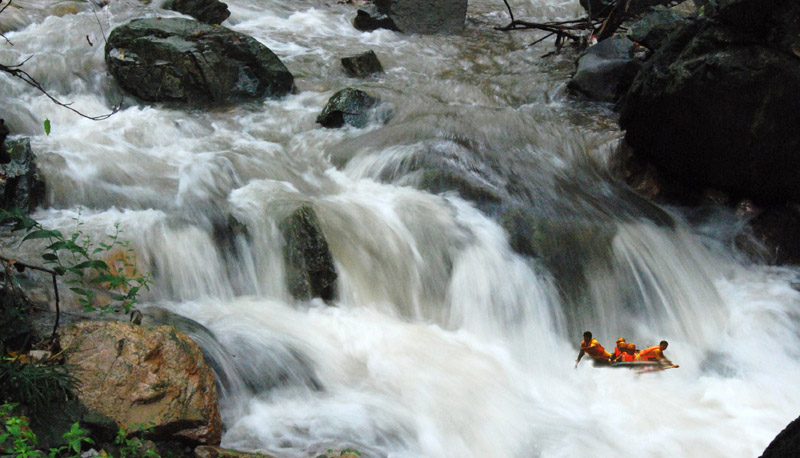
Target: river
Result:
[442, 342]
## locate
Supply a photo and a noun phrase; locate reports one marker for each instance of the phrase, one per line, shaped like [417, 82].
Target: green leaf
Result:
[47, 126]
[102, 278]
[82, 292]
[43, 234]
[49, 257]
[60, 270]
[93, 264]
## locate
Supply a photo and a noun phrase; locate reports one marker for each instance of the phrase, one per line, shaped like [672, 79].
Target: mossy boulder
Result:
[186, 61]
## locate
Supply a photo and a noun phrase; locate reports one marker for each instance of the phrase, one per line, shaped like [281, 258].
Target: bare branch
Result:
[17, 72]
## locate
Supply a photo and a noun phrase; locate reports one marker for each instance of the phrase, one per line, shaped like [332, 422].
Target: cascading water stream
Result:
[443, 341]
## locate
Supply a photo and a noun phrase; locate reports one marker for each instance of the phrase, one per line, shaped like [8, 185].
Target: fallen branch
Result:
[17, 72]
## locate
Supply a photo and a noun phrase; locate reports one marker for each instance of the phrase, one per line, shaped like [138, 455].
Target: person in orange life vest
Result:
[655, 353]
[619, 350]
[593, 348]
[630, 354]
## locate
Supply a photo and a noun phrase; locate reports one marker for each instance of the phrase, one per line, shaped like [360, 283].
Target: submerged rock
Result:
[309, 265]
[20, 183]
[181, 60]
[135, 375]
[348, 106]
[425, 16]
[208, 11]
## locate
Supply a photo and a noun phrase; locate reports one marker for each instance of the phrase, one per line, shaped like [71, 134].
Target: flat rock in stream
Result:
[182, 60]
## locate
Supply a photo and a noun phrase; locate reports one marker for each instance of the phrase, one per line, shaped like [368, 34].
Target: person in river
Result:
[619, 350]
[593, 348]
[655, 353]
[629, 355]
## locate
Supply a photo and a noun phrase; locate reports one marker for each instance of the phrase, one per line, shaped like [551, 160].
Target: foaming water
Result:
[442, 340]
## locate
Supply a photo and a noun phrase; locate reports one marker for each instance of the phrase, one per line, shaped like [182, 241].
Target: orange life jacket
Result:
[628, 357]
[650, 354]
[618, 353]
[595, 350]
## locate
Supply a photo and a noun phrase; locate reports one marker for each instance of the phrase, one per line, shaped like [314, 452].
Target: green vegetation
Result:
[17, 439]
[80, 260]
[35, 385]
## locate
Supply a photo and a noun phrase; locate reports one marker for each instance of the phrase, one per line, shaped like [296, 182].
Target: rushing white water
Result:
[443, 342]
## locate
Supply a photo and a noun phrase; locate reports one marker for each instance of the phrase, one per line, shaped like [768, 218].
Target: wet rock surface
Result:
[181, 60]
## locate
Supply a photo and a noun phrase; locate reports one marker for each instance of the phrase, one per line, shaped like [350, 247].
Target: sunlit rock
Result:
[136, 375]
[309, 265]
[182, 60]
[208, 11]
[425, 16]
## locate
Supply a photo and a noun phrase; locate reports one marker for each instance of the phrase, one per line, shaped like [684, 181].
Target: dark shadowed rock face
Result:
[425, 16]
[309, 265]
[181, 60]
[20, 183]
[208, 11]
[716, 106]
[786, 444]
[606, 70]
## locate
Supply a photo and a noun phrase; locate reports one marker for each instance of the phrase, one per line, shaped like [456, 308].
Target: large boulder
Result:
[425, 16]
[309, 265]
[139, 376]
[208, 11]
[606, 70]
[20, 183]
[716, 106]
[181, 60]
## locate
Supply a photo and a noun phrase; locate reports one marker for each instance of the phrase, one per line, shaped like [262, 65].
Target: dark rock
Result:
[206, 451]
[366, 22]
[425, 16]
[602, 8]
[309, 265]
[606, 70]
[181, 60]
[363, 64]
[4, 131]
[786, 444]
[348, 106]
[716, 106]
[208, 11]
[777, 228]
[653, 29]
[20, 183]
